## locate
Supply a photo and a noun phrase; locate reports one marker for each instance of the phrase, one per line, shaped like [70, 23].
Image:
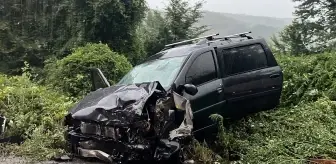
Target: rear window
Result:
[243, 59]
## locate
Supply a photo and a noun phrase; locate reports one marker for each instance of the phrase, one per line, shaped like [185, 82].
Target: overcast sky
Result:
[272, 8]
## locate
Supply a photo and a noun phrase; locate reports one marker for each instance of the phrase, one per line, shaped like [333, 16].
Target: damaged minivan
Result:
[155, 109]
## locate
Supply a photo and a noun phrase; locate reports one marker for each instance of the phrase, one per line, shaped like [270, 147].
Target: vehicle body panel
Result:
[254, 90]
[209, 98]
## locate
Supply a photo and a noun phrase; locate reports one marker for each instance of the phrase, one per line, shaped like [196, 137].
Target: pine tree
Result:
[313, 29]
[181, 18]
[176, 23]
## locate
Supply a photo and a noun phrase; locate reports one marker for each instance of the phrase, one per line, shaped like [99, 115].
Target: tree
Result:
[154, 32]
[182, 16]
[320, 16]
[112, 22]
[313, 29]
[35, 30]
[292, 40]
[176, 23]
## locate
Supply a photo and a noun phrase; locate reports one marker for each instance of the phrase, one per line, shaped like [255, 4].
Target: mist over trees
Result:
[312, 31]
[38, 30]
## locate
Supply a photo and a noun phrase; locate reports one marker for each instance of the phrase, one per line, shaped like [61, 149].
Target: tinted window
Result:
[202, 70]
[243, 59]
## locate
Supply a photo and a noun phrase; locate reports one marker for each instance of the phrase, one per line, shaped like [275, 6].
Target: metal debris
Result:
[2, 126]
[130, 122]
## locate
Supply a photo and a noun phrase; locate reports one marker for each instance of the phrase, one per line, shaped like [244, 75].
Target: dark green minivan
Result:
[218, 75]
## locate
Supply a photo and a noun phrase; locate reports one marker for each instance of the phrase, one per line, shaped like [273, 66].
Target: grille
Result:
[95, 129]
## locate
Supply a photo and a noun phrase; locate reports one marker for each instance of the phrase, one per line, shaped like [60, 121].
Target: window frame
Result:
[215, 65]
[252, 70]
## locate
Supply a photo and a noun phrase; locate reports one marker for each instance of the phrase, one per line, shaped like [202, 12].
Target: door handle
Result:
[274, 76]
[219, 90]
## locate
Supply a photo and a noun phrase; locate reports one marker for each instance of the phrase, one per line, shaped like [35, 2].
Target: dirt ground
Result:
[18, 160]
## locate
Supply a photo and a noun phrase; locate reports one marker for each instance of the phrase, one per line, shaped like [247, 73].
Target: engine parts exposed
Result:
[130, 122]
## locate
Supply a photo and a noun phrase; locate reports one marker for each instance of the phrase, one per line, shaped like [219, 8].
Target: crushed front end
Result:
[130, 123]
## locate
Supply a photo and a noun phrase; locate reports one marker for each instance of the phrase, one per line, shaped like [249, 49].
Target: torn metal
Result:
[130, 122]
[2, 126]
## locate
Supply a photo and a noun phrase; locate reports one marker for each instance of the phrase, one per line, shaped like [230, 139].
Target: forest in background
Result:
[39, 31]
[47, 47]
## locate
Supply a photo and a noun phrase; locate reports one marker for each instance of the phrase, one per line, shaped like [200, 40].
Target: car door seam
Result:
[219, 103]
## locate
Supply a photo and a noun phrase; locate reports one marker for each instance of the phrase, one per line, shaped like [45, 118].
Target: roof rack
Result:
[239, 35]
[210, 38]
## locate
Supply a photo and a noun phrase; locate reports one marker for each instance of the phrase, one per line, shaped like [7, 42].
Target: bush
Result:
[35, 113]
[308, 78]
[71, 74]
[286, 135]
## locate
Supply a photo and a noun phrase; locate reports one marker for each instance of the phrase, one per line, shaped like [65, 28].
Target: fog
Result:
[271, 8]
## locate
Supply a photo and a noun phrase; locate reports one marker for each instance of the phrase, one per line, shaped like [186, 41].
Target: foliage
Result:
[181, 17]
[203, 154]
[155, 33]
[308, 78]
[312, 31]
[177, 22]
[35, 31]
[320, 18]
[71, 74]
[111, 22]
[292, 40]
[35, 113]
[287, 135]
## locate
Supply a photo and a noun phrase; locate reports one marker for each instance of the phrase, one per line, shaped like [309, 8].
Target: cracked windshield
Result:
[163, 70]
[168, 81]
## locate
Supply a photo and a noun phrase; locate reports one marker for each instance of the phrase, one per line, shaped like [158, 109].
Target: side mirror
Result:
[98, 79]
[190, 89]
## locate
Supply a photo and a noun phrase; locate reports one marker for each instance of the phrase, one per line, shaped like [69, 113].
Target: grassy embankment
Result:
[303, 126]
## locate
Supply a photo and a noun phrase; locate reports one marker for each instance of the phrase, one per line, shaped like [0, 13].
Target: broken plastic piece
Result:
[95, 154]
[3, 126]
[186, 127]
[63, 158]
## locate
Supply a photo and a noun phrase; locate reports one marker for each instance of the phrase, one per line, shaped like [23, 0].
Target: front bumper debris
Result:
[2, 126]
[130, 123]
[94, 154]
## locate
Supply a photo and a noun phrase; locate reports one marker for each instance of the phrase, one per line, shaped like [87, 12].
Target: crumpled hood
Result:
[130, 122]
[116, 105]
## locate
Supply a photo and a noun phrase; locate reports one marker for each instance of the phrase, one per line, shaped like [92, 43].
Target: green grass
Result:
[303, 126]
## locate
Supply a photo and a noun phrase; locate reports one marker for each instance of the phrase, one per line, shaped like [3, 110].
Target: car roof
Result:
[186, 50]
[180, 51]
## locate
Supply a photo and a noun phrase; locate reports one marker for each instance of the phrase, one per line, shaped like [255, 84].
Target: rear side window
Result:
[202, 70]
[244, 59]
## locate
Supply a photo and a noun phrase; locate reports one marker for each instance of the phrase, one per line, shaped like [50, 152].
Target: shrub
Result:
[71, 74]
[287, 135]
[35, 113]
[308, 78]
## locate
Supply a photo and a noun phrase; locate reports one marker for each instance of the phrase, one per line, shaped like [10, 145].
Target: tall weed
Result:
[35, 113]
